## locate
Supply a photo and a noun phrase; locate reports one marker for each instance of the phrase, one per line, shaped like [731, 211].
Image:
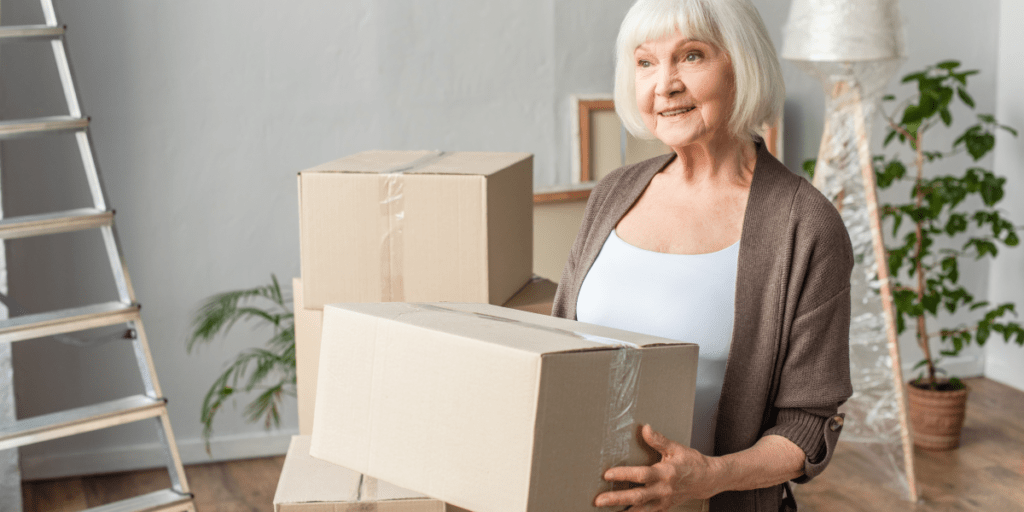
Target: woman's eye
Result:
[643, 63]
[693, 56]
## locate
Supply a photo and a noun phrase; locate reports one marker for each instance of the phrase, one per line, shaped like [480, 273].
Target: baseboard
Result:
[148, 456]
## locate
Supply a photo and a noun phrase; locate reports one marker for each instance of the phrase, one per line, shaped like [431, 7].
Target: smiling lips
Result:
[670, 113]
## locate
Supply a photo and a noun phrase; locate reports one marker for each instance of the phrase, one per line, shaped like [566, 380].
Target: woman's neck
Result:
[724, 158]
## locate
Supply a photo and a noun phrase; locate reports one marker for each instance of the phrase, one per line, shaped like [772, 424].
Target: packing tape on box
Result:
[392, 208]
[623, 386]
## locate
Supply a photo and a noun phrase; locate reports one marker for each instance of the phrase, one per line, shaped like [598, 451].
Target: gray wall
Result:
[204, 111]
[1004, 362]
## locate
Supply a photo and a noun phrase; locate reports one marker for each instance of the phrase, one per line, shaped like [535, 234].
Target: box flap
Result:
[305, 479]
[422, 162]
[518, 330]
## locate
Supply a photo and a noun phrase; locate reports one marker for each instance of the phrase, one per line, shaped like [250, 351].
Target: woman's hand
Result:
[682, 474]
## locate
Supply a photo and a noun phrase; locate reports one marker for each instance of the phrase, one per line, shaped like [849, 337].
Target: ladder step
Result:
[41, 125]
[83, 419]
[166, 500]
[30, 32]
[62, 321]
[56, 222]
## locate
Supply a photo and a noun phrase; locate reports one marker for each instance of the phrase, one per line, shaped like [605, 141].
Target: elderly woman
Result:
[717, 243]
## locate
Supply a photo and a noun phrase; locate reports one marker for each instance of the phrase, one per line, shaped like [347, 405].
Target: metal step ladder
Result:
[149, 406]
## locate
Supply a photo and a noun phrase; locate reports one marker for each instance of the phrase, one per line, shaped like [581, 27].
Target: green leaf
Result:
[913, 76]
[888, 97]
[931, 303]
[889, 137]
[808, 166]
[1007, 128]
[947, 118]
[992, 189]
[982, 333]
[951, 268]
[948, 64]
[1011, 239]
[987, 118]
[979, 145]
[966, 98]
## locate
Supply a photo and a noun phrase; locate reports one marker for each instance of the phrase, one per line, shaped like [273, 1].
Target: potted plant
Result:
[924, 266]
[270, 370]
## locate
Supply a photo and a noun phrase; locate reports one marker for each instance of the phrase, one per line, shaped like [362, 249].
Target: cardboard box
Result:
[493, 409]
[308, 326]
[383, 226]
[537, 297]
[313, 485]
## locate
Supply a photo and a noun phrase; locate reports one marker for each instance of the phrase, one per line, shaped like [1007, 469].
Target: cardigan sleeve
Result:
[815, 382]
[815, 376]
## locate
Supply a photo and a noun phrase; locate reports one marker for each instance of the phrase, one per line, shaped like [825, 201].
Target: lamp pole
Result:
[854, 47]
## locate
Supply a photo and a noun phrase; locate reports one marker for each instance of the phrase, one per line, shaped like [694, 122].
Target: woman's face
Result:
[684, 89]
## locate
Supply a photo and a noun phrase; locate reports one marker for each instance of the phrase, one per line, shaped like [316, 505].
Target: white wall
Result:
[1005, 362]
[204, 111]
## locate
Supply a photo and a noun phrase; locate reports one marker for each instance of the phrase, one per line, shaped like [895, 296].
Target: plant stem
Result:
[922, 328]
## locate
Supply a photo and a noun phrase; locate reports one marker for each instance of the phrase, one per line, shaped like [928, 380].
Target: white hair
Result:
[731, 25]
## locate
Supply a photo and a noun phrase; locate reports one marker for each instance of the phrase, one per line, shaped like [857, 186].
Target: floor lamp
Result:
[854, 47]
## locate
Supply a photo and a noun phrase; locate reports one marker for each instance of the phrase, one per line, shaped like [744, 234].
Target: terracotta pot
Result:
[936, 417]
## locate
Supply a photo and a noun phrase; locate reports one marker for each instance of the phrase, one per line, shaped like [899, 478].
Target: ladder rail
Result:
[175, 468]
[118, 264]
[145, 360]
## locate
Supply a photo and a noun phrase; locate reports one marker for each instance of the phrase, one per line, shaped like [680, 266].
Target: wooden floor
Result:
[235, 486]
[985, 474]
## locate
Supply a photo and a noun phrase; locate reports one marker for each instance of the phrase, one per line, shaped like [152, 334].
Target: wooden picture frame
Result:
[601, 144]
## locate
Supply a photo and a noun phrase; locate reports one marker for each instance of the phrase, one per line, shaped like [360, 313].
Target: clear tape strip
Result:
[623, 385]
[391, 193]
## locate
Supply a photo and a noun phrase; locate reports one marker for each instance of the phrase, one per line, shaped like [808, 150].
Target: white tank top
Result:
[686, 297]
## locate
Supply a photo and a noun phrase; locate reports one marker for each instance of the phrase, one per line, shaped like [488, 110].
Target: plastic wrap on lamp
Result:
[843, 30]
[874, 412]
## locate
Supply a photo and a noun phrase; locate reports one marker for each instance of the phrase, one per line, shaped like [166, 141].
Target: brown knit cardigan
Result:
[788, 368]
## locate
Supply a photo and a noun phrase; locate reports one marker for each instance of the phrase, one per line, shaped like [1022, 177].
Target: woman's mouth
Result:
[670, 113]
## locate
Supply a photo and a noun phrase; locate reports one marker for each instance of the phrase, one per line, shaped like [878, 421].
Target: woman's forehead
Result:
[676, 41]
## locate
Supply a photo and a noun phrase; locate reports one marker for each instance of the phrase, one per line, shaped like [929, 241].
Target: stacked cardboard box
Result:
[314, 485]
[416, 226]
[494, 409]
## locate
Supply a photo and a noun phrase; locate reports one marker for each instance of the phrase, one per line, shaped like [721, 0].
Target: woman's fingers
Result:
[635, 474]
[657, 441]
[632, 497]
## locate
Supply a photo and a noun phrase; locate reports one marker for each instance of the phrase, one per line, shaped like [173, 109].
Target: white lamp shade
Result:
[843, 30]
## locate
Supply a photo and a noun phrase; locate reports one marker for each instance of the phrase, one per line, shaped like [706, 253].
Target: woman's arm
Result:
[685, 474]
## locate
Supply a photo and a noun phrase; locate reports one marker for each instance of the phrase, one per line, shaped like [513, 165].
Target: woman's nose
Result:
[669, 81]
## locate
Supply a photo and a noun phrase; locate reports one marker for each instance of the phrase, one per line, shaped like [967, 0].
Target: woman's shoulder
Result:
[628, 177]
[809, 207]
[816, 224]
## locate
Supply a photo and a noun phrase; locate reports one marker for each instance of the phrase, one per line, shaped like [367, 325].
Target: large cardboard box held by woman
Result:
[536, 297]
[493, 409]
[383, 226]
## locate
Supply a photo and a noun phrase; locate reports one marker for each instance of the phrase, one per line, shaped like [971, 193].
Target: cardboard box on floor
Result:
[537, 297]
[314, 485]
[395, 226]
[493, 409]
